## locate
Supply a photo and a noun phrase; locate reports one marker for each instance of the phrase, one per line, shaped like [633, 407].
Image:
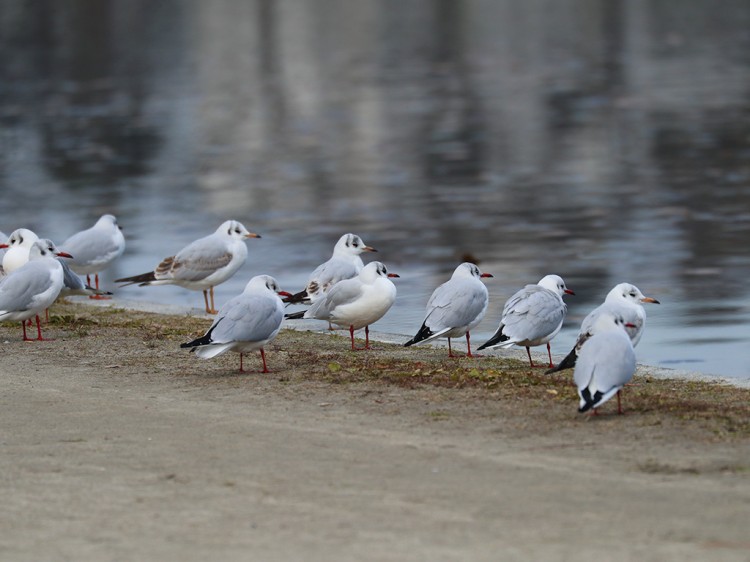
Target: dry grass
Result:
[142, 340]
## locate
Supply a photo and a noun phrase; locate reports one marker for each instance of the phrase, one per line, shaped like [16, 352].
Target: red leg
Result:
[263, 356]
[528, 352]
[23, 325]
[450, 351]
[367, 337]
[39, 328]
[351, 335]
[205, 300]
[98, 297]
[88, 280]
[213, 305]
[549, 352]
[468, 347]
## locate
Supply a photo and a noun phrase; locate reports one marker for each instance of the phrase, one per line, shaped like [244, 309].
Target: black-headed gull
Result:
[31, 288]
[533, 316]
[356, 303]
[455, 307]
[345, 263]
[95, 249]
[203, 264]
[245, 323]
[606, 362]
[18, 245]
[625, 300]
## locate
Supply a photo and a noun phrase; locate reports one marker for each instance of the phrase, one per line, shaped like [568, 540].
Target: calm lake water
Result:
[604, 141]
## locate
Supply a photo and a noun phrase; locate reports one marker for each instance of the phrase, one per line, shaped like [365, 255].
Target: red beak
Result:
[284, 294]
[4, 246]
[486, 275]
[569, 292]
[393, 275]
[63, 255]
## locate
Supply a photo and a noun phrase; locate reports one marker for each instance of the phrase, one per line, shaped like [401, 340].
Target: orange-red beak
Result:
[63, 255]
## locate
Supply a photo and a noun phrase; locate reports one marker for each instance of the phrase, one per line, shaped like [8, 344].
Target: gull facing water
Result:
[606, 362]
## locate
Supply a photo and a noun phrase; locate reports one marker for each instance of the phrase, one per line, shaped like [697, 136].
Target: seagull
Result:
[32, 287]
[345, 263]
[455, 307]
[19, 243]
[356, 303]
[533, 316]
[606, 362]
[245, 323]
[624, 299]
[95, 249]
[202, 264]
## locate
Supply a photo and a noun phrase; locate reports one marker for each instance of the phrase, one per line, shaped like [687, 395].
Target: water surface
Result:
[604, 141]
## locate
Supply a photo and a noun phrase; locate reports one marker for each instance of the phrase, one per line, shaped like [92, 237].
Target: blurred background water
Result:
[602, 140]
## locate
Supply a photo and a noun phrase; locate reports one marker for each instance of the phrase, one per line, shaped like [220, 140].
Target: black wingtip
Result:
[496, 338]
[205, 339]
[423, 333]
[142, 279]
[296, 298]
[589, 401]
[295, 315]
[568, 363]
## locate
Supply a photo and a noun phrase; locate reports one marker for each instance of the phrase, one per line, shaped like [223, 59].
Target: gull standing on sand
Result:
[356, 303]
[606, 362]
[455, 307]
[202, 264]
[18, 245]
[533, 316]
[31, 288]
[624, 300]
[245, 323]
[95, 249]
[345, 263]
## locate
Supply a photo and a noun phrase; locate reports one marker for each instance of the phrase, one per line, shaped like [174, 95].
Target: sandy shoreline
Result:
[118, 445]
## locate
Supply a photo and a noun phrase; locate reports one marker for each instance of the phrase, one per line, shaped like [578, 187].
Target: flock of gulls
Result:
[342, 291]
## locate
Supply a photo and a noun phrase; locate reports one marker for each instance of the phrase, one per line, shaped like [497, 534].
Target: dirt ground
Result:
[119, 445]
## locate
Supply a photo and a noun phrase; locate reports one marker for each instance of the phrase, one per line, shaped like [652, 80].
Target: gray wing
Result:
[532, 313]
[71, 281]
[248, 318]
[196, 261]
[86, 246]
[326, 275]
[456, 303]
[343, 292]
[17, 291]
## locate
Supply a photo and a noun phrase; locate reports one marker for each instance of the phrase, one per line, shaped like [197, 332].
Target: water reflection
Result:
[602, 140]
